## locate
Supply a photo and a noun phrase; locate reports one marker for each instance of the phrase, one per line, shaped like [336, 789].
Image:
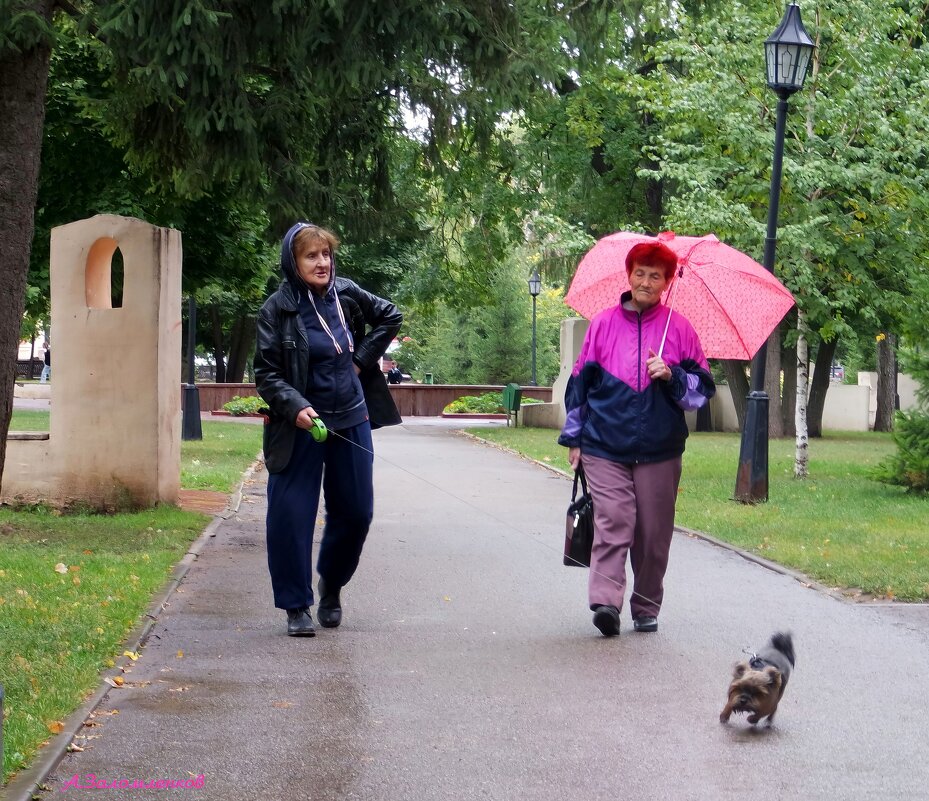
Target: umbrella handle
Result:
[669, 303]
[664, 336]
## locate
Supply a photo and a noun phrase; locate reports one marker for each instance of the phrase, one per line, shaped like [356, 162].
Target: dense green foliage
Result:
[488, 403]
[247, 405]
[456, 148]
[909, 466]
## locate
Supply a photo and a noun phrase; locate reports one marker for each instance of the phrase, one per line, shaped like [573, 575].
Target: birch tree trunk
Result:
[789, 394]
[801, 460]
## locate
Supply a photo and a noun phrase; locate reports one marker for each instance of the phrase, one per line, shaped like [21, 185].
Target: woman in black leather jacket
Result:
[314, 358]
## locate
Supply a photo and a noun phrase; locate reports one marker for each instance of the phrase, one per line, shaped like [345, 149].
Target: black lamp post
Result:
[190, 428]
[535, 286]
[787, 56]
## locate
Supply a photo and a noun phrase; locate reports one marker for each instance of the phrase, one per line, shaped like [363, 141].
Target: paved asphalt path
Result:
[467, 667]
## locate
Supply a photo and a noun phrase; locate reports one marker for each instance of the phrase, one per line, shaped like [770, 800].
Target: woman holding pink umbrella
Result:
[640, 368]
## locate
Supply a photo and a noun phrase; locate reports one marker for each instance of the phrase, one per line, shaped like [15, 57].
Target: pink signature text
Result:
[91, 782]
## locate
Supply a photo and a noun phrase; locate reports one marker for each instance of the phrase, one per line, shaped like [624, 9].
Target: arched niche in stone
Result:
[100, 276]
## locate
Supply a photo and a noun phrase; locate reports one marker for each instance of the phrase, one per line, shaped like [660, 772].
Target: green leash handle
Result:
[319, 432]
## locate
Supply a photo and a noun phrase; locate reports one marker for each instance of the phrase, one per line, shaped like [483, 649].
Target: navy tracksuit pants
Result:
[344, 466]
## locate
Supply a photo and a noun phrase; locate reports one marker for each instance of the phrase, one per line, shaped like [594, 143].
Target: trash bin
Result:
[427, 378]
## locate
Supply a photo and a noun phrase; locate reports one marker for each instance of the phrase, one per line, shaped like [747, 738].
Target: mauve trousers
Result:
[634, 514]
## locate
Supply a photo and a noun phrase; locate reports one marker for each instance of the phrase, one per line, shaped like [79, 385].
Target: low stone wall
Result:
[428, 400]
[213, 396]
[413, 400]
[845, 409]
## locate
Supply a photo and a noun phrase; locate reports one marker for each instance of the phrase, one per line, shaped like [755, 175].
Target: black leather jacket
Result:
[282, 366]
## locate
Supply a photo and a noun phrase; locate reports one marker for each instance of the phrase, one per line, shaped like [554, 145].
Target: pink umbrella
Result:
[732, 301]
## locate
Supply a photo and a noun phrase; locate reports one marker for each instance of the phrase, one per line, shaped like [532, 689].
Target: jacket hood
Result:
[289, 266]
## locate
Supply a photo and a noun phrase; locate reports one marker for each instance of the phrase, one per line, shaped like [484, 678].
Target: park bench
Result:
[512, 396]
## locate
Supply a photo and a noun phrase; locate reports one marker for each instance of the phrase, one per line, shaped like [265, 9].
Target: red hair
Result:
[653, 254]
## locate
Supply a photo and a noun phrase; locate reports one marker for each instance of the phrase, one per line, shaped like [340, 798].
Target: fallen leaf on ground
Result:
[61, 568]
[131, 654]
[56, 727]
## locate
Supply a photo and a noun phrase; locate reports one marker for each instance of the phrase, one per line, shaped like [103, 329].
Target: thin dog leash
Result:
[484, 512]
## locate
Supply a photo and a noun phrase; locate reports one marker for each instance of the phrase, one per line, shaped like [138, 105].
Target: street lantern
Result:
[535, 287]
[787, 56]
[787, 53]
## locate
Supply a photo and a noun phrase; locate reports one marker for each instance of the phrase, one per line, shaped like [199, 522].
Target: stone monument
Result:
[114, 436]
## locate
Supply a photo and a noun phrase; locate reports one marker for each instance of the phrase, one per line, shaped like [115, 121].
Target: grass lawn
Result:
[838, 526]
[73, 586]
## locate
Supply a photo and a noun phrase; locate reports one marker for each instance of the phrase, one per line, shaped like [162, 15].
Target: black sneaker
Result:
[606, 618]
[299, 623]
[329, 610]
[645, 623]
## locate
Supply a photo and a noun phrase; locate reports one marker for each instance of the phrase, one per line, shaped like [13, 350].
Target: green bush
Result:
[488, 403]
[247, 405]
[909, 467]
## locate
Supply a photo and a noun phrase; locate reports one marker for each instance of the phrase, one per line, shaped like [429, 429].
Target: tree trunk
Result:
[738, 386]
[819, 386]
[219, 357]
[241, 344]
[790, 367]
[23, 81]
[886, 382]
[772, 386]
[802, 381]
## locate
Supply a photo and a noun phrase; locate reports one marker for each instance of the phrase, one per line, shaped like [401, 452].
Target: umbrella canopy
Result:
[732, 301]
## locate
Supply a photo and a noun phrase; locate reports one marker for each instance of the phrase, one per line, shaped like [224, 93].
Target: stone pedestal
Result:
[552, 415]
[115, 407]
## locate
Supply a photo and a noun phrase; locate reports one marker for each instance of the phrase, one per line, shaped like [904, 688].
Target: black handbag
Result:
[579, 525]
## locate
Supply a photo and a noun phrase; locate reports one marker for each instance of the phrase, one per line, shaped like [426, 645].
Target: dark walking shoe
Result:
[329, 610]
[606, 618]
[645, 623]
[299, 623]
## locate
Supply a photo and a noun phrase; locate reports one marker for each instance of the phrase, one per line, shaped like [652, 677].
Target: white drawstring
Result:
[325, 325]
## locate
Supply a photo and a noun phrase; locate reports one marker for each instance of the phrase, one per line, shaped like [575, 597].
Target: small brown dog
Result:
[758, 684]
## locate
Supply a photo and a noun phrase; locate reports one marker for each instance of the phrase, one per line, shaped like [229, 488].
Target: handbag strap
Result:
[579, 474]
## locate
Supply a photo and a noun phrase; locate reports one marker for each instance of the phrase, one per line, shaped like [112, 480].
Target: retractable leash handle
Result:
[318, 431]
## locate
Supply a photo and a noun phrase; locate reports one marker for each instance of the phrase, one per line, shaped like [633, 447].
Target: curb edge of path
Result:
[26, 784]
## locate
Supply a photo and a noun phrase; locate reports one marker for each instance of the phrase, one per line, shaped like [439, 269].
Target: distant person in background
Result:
[394, 375]
[47, 369]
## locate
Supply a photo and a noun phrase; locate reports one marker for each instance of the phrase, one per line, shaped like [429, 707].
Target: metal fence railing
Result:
[27, 369]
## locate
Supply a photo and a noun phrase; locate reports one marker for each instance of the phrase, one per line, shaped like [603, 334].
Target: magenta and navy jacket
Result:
[615, 411]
